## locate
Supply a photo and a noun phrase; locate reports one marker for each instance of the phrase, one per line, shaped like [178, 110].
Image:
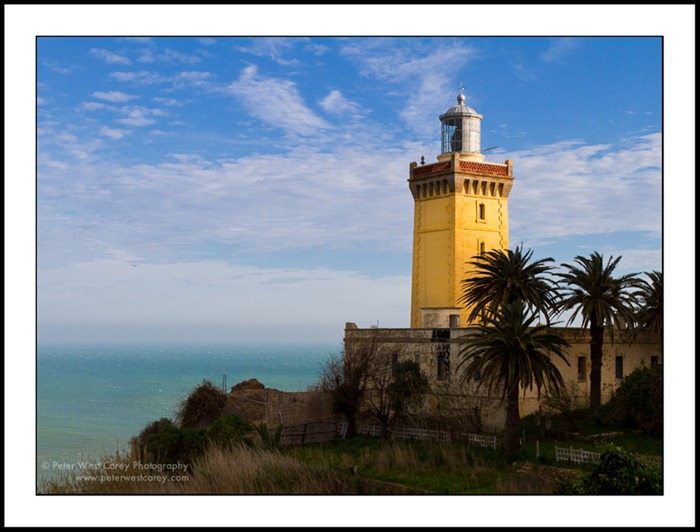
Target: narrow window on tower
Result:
[482, 248]
[482, 211]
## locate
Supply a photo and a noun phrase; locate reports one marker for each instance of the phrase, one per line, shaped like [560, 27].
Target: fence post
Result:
[537, 448]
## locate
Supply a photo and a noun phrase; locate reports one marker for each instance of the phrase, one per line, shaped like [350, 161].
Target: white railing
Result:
[421, 434]
[424, 434]
[407, 433]
[481, 440]
[580, 456]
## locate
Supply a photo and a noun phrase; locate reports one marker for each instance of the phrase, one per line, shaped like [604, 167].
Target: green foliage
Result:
[650, 314]
[510, 352]
[592, 290]
[192, 444]
[638, 402]
[408, 387]
[163, 442]
[504, 276]
[347, 398]
[202, 407]
[269, 441]
[617, 473]
[603, 300]
[228, 430]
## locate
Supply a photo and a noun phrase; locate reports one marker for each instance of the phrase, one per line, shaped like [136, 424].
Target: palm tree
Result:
[602, 300]
[504, 276]
[509, 352]
[650, 315]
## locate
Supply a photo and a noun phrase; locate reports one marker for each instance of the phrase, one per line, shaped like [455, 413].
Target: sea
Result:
[92, 399]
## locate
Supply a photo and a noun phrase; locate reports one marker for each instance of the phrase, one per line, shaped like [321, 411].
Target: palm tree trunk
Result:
[510, 436]
[596, 365]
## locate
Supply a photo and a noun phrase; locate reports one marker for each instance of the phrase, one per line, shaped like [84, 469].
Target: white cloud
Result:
[559, 49]
[113, 96]
[277, 102]
[143, 76]
[113, 133]
[272, 47]
[92, 106]
[400, 61]
[336, 103]
[138, 116]
[192, 79]
[168, 56]
[207, 41]
[136, 119]
[140, 40]
[571, 188]
[171, 102]
[109, 57]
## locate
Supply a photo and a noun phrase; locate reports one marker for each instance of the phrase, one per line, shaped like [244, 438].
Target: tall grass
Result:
[431, 467]
[338, 468]
[234, 470]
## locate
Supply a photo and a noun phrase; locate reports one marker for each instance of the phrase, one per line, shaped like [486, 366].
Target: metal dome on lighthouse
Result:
[461, 128]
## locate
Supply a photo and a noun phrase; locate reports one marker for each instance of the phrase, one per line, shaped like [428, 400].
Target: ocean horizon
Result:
[93, 398]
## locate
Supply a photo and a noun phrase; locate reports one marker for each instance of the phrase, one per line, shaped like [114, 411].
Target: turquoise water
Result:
[92, 399]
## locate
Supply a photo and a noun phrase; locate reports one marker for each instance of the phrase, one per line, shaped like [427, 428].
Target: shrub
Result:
[638, 402]
[230, 430]
[618, 473]
[163, 442]
[270, 441]
[202, 407]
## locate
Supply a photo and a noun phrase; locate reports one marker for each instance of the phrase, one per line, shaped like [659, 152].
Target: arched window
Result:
[482, 211]
[482, 248]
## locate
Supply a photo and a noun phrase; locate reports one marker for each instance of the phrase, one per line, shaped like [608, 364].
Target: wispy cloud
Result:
[192, 79]
[110, 58]
[113, 96]
[274, 48]
[59, 69]
[581, 189]
[113, 133]
[421, 71]
[559, 49]
[140, 40]
[139, 116]
[168, 56]
[143, 76]
[276, 102]
[336, 103]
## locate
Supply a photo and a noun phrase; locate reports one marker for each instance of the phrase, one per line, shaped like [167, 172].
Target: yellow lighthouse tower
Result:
[461, 210]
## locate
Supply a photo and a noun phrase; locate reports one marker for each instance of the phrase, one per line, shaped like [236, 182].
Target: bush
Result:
[618, 473]
[229, 430]
[162, 442]
[202, 407]
[638, 402]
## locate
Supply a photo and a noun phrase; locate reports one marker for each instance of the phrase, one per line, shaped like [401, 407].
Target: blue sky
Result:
[211, 188]
[224, 189]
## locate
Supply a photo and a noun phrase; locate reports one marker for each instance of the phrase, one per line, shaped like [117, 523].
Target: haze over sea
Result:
[91, 399]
